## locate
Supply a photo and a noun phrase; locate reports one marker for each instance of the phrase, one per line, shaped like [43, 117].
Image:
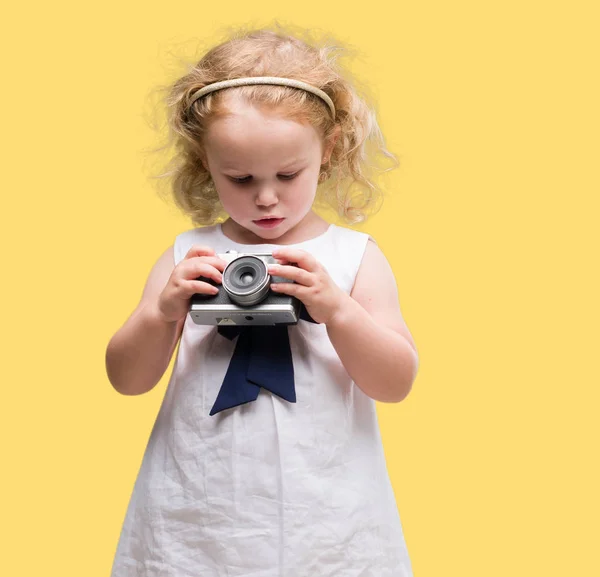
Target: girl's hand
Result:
[313, 285]
[174, 300]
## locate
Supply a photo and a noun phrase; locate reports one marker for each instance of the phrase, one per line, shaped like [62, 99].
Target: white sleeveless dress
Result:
[269, 488]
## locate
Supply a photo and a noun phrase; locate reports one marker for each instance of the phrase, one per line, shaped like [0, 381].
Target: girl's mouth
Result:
[268, 222]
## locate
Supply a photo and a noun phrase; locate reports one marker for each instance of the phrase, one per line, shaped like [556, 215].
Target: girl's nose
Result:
[266, 196]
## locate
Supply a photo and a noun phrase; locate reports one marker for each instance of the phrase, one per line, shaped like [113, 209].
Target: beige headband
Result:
[265, 80]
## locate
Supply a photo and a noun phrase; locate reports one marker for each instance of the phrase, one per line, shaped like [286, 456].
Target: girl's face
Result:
[265, 168]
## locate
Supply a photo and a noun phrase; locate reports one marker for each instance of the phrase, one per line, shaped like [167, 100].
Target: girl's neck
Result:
[311, 226]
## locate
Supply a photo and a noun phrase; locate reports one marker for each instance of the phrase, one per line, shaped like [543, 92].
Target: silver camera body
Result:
[245, 296]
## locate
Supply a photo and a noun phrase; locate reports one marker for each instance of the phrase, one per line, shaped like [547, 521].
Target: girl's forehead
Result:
[250, 129]
[263, 148]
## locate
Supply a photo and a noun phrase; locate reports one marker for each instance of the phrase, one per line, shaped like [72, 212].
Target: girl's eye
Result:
[245, 179]
[242, 180]
[289, 176]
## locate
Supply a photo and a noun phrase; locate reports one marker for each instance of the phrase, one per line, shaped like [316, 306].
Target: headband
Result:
[275, 80]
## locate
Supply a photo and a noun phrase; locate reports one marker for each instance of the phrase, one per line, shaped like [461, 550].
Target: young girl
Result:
[286, 484]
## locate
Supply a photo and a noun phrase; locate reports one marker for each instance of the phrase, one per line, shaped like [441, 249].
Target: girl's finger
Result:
[294, 273]
[302, 258]
[195, 267]
[215, 261]
[199, 250]
[294, 290]
[206, 271]
[200, 287]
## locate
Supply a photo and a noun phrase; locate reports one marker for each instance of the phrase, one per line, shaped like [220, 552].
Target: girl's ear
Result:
[203, 161]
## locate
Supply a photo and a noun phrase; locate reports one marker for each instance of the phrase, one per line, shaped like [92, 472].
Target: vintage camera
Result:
[245, 296]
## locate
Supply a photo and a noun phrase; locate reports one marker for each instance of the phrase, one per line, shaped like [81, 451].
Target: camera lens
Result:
[246, 280]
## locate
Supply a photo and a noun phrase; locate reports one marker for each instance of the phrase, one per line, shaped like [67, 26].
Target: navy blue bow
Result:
[262, 358]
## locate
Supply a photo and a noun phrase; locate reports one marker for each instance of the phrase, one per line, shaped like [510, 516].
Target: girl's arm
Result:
[366, 327]
[370, 335]
[139, 353]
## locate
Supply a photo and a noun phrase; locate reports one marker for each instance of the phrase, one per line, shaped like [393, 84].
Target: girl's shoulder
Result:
[350, 236]
[342, 253]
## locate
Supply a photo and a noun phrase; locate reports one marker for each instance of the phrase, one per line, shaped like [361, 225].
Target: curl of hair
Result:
[348, 186]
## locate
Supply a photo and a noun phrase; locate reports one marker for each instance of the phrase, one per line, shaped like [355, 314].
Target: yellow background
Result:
[491, 228]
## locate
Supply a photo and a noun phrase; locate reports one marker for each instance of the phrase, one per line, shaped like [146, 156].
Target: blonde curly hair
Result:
[346, 183]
